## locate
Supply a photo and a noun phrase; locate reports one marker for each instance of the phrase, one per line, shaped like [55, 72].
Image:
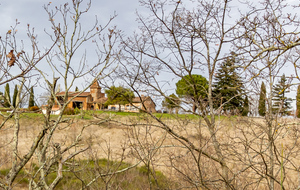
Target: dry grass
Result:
[130, 138]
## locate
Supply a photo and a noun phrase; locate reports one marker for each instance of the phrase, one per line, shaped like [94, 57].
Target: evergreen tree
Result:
[281, 104]
[76, 89]
[7, 101]
[262, 100]
[15, 96]
[298, 102]
[1, 98]
[119, 95]
[192, 87]
[245, 107]
[228, 86]
[171, 102]
[31, 98]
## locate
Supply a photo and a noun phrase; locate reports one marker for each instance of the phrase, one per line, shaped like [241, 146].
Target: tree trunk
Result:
[194, 107]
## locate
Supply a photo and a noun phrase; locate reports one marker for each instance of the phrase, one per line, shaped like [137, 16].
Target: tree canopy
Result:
[118, 95]
[262, 100]
[228, 87]
[2, 99]
[245, 109]
[281, 104]
[7, 101]
[192, 87]
[15, 95]
[31, 98]
[171, 102]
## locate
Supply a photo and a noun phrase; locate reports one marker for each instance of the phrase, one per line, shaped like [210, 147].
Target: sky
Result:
[32, 12]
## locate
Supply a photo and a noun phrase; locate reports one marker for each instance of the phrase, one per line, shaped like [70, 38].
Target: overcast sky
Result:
[32, 12]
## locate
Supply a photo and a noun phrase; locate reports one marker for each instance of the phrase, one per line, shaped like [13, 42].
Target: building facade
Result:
[95, 100]
[143, 103]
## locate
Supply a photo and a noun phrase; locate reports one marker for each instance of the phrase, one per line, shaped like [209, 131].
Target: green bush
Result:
[76, 111]
[69, 111]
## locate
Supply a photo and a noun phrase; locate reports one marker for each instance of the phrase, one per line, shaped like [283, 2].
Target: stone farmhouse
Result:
[138, 103]
[95, 100]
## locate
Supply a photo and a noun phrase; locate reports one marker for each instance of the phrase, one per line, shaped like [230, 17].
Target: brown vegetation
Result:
[139, 139]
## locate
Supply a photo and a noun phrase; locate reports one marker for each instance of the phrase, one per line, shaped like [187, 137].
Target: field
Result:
[138, 145]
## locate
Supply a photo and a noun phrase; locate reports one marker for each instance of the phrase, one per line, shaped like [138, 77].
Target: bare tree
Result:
[176, 41]
[67, 39]
[200, 150]
[17, 65]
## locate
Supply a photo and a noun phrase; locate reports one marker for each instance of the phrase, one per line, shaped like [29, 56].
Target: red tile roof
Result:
[71, 94]
[101, 100]
[134, 100]
[140, 99]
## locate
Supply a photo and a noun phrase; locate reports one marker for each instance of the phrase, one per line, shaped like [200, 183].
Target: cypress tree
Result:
[262, 100]
[281, 104]
[7, 101]
[228, 86]
[31, 98]
[245, 107]
[1, 98]
[15, 96]
[298, 102]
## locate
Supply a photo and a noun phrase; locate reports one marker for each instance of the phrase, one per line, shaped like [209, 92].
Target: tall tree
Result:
[262, 100]
[228, 87]
[15, 95]
[245, 107]
[1, 98]
[7, 101]
[31, 98]
[171, 102]
[183, 40]
[281, 104]
[298, 102]
[67, 37]
[119, 95]
[192, 87]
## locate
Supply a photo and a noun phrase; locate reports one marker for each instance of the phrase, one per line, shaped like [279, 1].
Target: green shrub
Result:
[69, 111]
[76, 111]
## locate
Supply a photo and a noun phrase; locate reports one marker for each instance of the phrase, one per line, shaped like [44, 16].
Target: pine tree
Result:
[298, 102]
[31, 98]
[15, 96]
[193, 87]
[7, 101]
[245, 107]
[281, 104]
[228, 86]
[262, 100]
[1, 98]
